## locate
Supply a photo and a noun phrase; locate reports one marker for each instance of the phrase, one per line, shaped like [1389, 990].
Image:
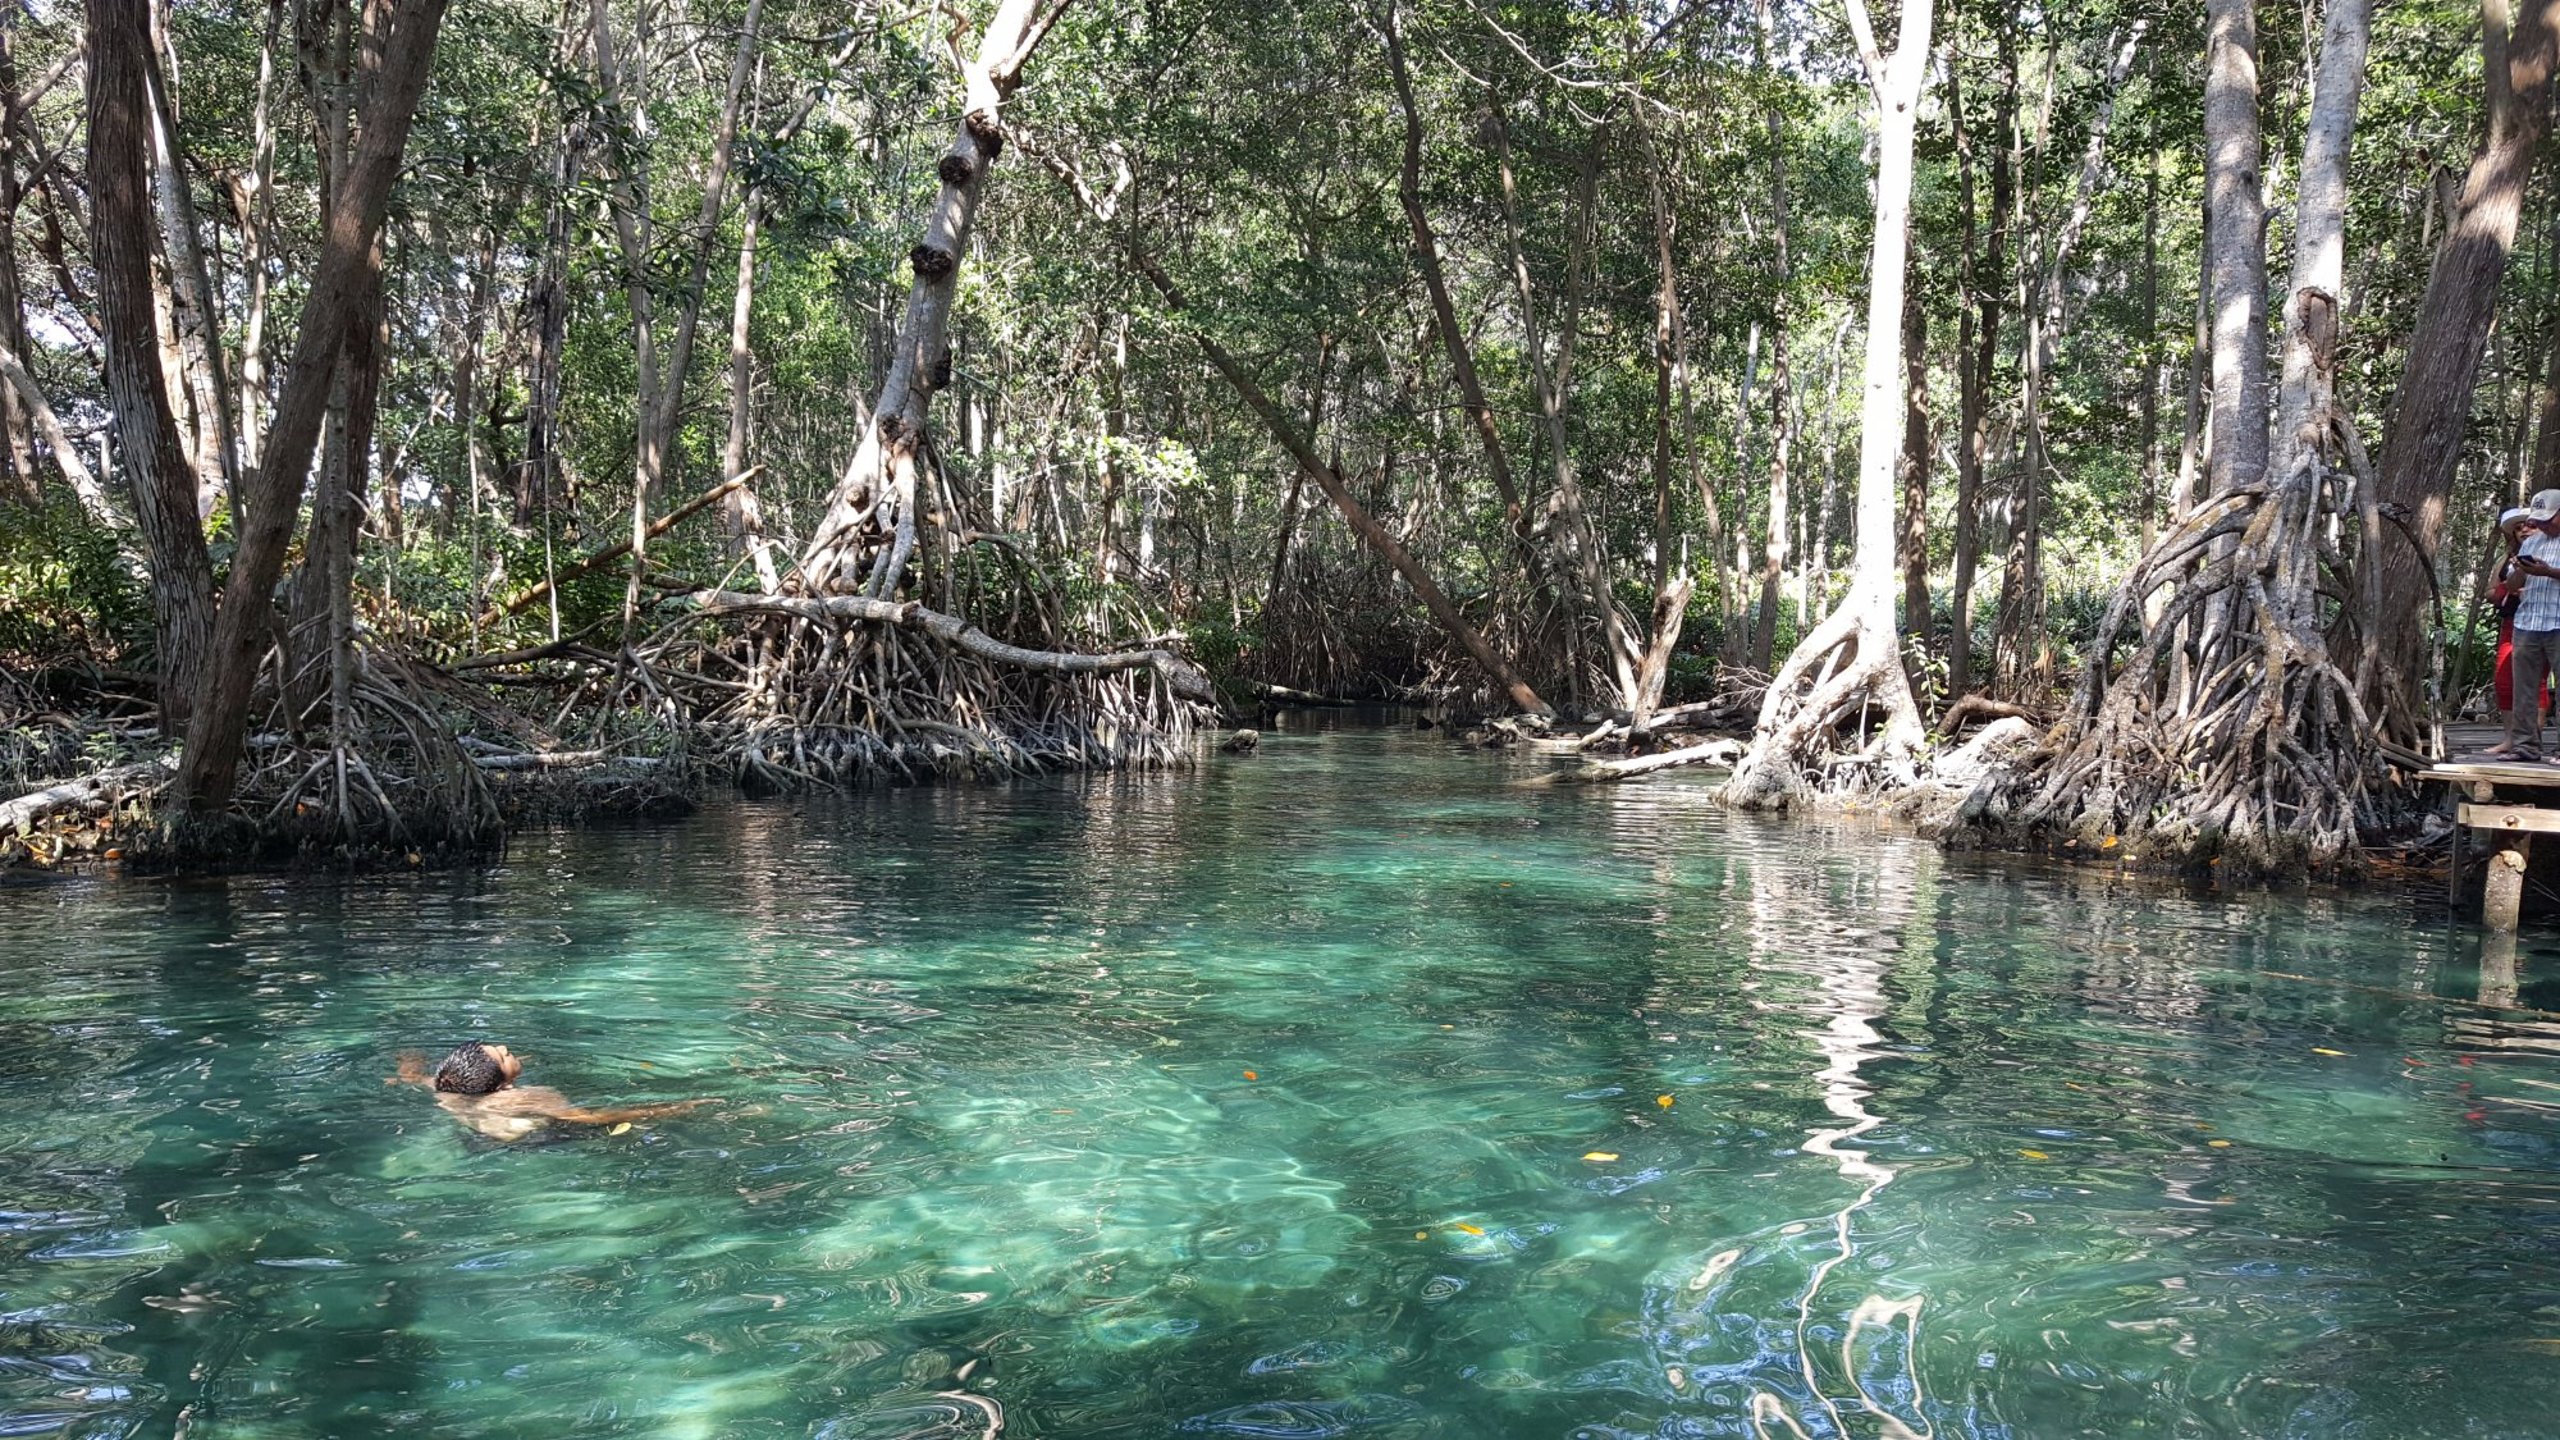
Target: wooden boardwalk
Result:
[2508, 802]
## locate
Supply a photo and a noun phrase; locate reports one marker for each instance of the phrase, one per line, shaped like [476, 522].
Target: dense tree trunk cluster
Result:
[1498, 362]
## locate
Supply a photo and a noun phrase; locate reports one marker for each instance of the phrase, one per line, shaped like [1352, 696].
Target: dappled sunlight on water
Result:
[1355, 1089]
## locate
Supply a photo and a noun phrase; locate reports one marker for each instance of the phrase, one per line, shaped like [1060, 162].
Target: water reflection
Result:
[1322, 1093]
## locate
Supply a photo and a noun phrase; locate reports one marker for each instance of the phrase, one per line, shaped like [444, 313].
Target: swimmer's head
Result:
[477, 1069]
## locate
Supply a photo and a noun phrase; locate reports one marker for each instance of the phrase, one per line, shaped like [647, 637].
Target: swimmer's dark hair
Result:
[470, 1070]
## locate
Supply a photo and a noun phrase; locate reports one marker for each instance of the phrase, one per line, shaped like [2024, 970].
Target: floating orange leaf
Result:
[1249, 1075]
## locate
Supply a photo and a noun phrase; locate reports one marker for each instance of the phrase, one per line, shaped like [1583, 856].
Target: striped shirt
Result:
[2540, 607]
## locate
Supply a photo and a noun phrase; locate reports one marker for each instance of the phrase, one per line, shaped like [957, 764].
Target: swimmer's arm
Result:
[413, 1071]
[620, 1114]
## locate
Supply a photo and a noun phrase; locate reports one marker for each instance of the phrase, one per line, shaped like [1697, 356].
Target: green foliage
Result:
[66, 591]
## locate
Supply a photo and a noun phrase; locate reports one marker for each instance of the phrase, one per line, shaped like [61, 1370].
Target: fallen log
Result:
[1287, 696]
[1601, 772]
[562, 760]
[1186, 679]
[618, 549]
[21, 814]
[1983, 707]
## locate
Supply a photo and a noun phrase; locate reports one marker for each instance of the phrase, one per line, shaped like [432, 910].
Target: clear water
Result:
[1944, 1154]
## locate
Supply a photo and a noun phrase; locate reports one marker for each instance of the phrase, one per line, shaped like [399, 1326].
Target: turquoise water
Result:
[1268, 1101]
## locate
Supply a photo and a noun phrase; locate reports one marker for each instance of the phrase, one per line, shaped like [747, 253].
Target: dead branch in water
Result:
[24, 812]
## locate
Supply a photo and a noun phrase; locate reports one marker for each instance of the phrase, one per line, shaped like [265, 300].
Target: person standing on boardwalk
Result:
[2537, 627]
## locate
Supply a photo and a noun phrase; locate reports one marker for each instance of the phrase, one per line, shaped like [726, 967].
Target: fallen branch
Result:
[1185, 678]
[1287, 696]
[618, 549]
[561, 760]
[1601, 772]
[22, 813]
[1983, 707]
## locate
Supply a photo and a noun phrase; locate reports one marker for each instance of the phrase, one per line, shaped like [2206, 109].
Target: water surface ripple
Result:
[1357, 1089]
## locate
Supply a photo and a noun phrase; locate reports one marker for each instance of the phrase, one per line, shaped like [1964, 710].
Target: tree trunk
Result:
[190, 295]
[1818, 690]
[2320, 232]
[1977, 348]
[739, 508]
[1915, 466]
[1773, 552]
[399, 65]
[884, 460]
[1586, 561]
[2422, 442]
[2151, 332]
[2236, 241]
[154, 459]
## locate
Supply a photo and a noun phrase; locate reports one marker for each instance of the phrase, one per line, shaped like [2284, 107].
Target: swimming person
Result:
[477, 1085]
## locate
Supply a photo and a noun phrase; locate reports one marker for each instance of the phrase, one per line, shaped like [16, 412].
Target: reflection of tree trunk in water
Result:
[1850, 972]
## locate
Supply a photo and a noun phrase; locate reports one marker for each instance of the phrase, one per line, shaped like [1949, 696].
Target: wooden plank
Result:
[2509, 819]
[2508, 772]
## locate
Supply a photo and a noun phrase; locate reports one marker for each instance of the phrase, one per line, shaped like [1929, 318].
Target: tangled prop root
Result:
[1844, 683]
[835, 689]
[2230, 737]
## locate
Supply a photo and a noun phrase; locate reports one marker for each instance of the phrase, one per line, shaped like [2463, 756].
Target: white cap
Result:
[2546, 503]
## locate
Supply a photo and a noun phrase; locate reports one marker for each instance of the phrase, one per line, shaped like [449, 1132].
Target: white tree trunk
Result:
[2236, 245]
[882, 470]
[2320, 224]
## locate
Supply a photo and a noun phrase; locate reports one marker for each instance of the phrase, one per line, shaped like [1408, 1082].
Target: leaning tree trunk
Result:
[272, 497]
[2229, 734]
[1851, 664]
[2422, 440]
[872, 515]
[155, 462]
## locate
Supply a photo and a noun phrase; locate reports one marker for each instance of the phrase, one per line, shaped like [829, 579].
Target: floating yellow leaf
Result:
[2035, 1154]
[619, 1129]
[2219, 1144]
[2317, 1050]
[1470, 1229]
[1662, 1100]
[1421, 1234]
[2109, 843]
[1602, 1156]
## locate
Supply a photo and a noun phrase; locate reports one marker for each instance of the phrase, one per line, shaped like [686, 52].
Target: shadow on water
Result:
[1356, 1088]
